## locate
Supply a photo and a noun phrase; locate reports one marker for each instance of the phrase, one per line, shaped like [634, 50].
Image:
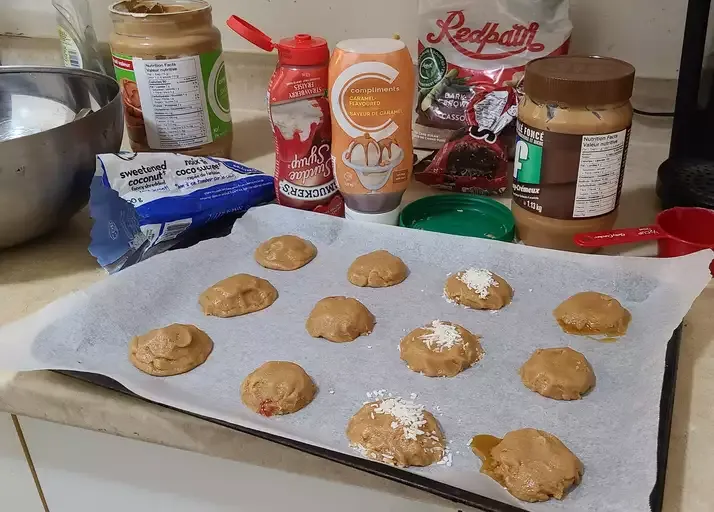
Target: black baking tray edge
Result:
[432, 486]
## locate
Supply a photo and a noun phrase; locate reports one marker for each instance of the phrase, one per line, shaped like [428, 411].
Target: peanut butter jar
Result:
[169, 63]
[573, 130]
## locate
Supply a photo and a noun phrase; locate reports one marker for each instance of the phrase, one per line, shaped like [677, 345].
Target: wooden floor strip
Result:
[28, 457]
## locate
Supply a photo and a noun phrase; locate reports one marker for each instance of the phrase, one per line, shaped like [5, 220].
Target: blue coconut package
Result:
[145, 203]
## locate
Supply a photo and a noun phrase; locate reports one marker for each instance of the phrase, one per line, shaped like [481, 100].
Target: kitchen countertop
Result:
[39, 272]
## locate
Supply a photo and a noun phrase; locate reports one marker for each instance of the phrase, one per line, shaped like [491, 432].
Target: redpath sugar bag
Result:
[467, 50]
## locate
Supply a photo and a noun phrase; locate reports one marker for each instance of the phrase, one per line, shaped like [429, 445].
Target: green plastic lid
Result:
[458, 214]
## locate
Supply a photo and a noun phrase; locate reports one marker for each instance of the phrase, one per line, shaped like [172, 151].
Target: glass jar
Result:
[573, 130]
[169, 63]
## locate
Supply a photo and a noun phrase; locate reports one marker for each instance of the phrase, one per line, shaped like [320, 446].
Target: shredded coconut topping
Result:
[363, 451]
[447, 459]
[407, 415]
[441, 336]
[479, 280]
[387, 458]
[377, 394]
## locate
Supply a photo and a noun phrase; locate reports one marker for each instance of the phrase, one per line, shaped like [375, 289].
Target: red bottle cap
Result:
[301, 50]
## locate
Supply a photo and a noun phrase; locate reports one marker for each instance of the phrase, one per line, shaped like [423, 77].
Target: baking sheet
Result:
[613, 430]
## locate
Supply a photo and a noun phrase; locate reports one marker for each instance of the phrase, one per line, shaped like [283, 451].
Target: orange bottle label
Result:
[371, 100]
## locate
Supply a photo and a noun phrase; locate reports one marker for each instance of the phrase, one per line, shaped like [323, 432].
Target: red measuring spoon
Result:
[678, 231]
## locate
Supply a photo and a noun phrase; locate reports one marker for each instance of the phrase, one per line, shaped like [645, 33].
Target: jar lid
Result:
[301, 50]
[460, 214]
[579, 81]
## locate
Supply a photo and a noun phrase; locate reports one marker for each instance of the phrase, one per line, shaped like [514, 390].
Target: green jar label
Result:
[564, 176]
[174, 103]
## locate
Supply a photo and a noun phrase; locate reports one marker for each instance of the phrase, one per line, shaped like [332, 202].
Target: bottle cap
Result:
[301, 50]
[389, 218]
[250, 33]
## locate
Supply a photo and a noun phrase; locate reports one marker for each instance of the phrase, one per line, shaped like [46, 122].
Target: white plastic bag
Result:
[468, 45]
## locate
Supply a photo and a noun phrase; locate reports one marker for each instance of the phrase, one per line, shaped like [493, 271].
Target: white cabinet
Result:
[17, 488]
[85, 471]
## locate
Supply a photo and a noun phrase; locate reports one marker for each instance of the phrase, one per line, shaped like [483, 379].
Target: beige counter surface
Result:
[37, 273]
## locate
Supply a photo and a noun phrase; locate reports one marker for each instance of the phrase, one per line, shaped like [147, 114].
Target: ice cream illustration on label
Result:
[298, 120]
[372, 160]
[371, 94]
[307, 167]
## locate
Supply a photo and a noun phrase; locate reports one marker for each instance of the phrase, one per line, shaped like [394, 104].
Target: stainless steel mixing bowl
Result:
[47, 150]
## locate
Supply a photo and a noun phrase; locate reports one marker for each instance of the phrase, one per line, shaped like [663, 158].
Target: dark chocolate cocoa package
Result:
[468, 49]
[475, 157]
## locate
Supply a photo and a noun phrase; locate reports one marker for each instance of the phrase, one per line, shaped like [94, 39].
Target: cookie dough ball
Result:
[237, 295]
[277, 387]
[287, 252]
[397, 432]
[531, 464]
[377, 269]
[559, 373]
[478, 288]
[171, 350]
[590, 313]
[441, 349]
[339, 319]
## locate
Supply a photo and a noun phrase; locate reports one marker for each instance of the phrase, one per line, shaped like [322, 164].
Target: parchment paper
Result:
[613, 429]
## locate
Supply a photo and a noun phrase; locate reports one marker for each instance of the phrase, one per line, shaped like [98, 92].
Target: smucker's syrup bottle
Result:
[300, 117]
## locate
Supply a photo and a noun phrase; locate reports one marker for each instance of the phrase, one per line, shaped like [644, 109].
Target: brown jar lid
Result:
[579, 81]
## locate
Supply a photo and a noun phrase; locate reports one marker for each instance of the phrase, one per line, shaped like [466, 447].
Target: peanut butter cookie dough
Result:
[377, 269]
[277, 387]
[558, 373]
[531, 464]
[397, 432]
[171, 350]
[237, 295]
[441, 349]
[287, 252]
[478, 288]
[339, 319]
[592, 313]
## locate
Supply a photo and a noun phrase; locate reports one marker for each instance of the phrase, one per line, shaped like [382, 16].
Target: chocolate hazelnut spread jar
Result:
[168, 60]
[573, 131]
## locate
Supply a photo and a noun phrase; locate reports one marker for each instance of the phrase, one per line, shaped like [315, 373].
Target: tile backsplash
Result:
[249, 73]
[647, 33]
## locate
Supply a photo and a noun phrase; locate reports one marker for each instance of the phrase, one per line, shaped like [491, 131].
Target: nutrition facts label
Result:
[173, 102]
[600, 169]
